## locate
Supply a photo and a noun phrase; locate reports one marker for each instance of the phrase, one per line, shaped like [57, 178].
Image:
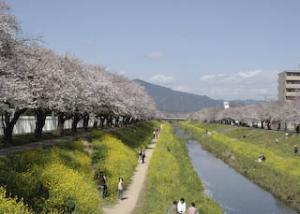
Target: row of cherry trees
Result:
[36, 78]
[269, 114]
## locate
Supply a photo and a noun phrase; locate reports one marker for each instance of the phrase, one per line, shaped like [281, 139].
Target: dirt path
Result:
[133, 192]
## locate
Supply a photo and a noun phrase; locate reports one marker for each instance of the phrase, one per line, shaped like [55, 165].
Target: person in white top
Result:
[120, 188]
[181, 206]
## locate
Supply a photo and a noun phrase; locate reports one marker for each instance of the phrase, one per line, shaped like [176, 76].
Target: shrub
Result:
[12, 205]
[51, 179]
[69, 190]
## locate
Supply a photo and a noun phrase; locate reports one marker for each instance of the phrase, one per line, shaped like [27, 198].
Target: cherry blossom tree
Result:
[36, 79]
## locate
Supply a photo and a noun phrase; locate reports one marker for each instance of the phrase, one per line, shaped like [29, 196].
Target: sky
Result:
[230, 49]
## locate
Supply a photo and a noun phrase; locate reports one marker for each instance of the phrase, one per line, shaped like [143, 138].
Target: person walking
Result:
[181, 206]
[154, 134]
[192, 209]
[173, 208]
[295, 149]
[140, 156]
[102, 184]
[120, 188]
[143, 156]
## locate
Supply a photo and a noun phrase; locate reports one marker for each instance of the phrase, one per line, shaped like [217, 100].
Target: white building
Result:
[226, 105]
[288, 85]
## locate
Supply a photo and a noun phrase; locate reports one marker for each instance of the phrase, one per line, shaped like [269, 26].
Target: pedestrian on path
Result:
[140, 156]
[143, 156]
[154, 134]
[173, 208]
[192, 209]
[181, 206]
[120, 188]
[102, 184]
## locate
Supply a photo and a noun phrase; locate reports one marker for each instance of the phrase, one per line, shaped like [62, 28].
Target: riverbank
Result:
[172, 176]
[240, 148]
[61, 178]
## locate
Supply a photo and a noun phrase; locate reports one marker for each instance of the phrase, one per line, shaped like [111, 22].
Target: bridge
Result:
[173, 118]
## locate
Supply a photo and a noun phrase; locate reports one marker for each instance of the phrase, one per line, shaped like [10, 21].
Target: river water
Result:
[235, 193]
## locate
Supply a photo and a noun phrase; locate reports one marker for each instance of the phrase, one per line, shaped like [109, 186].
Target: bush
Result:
[12, 205]
[52, 179]
[69, 190]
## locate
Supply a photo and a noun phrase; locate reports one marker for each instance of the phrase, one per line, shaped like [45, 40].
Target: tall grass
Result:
[171, 176]
[279, 174]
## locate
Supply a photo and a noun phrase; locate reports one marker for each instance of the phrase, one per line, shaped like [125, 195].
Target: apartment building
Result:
[288, 85]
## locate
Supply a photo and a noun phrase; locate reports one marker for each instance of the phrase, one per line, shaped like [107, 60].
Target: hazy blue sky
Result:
[226, 49]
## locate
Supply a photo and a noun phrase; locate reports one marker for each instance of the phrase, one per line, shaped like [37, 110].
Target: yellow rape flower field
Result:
[62, 178]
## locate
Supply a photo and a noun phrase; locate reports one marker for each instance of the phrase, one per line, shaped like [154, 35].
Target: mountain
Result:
[170, 101]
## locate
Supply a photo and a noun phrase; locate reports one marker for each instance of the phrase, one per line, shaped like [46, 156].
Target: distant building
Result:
[226, 105]
[288, 85]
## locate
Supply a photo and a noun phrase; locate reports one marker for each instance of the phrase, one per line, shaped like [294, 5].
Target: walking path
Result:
[131, 195]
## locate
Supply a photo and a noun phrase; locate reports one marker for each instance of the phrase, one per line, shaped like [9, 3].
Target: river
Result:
[235, 193]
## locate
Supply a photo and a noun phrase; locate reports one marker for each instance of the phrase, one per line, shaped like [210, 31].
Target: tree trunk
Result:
[262, 124]
[86, 121]
[269, 125]
[279, 126]
[298, 128]
[8, 122]
[117, 121]
[122, 122]
[101, 121]
[95, 123]
[75, 121]
[285, 126]
[41, 115]
[60, 125]
[109, 120]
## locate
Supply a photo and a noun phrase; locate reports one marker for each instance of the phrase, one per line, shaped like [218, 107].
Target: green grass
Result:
[240, 147]
[61, 177]
[171, 176]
